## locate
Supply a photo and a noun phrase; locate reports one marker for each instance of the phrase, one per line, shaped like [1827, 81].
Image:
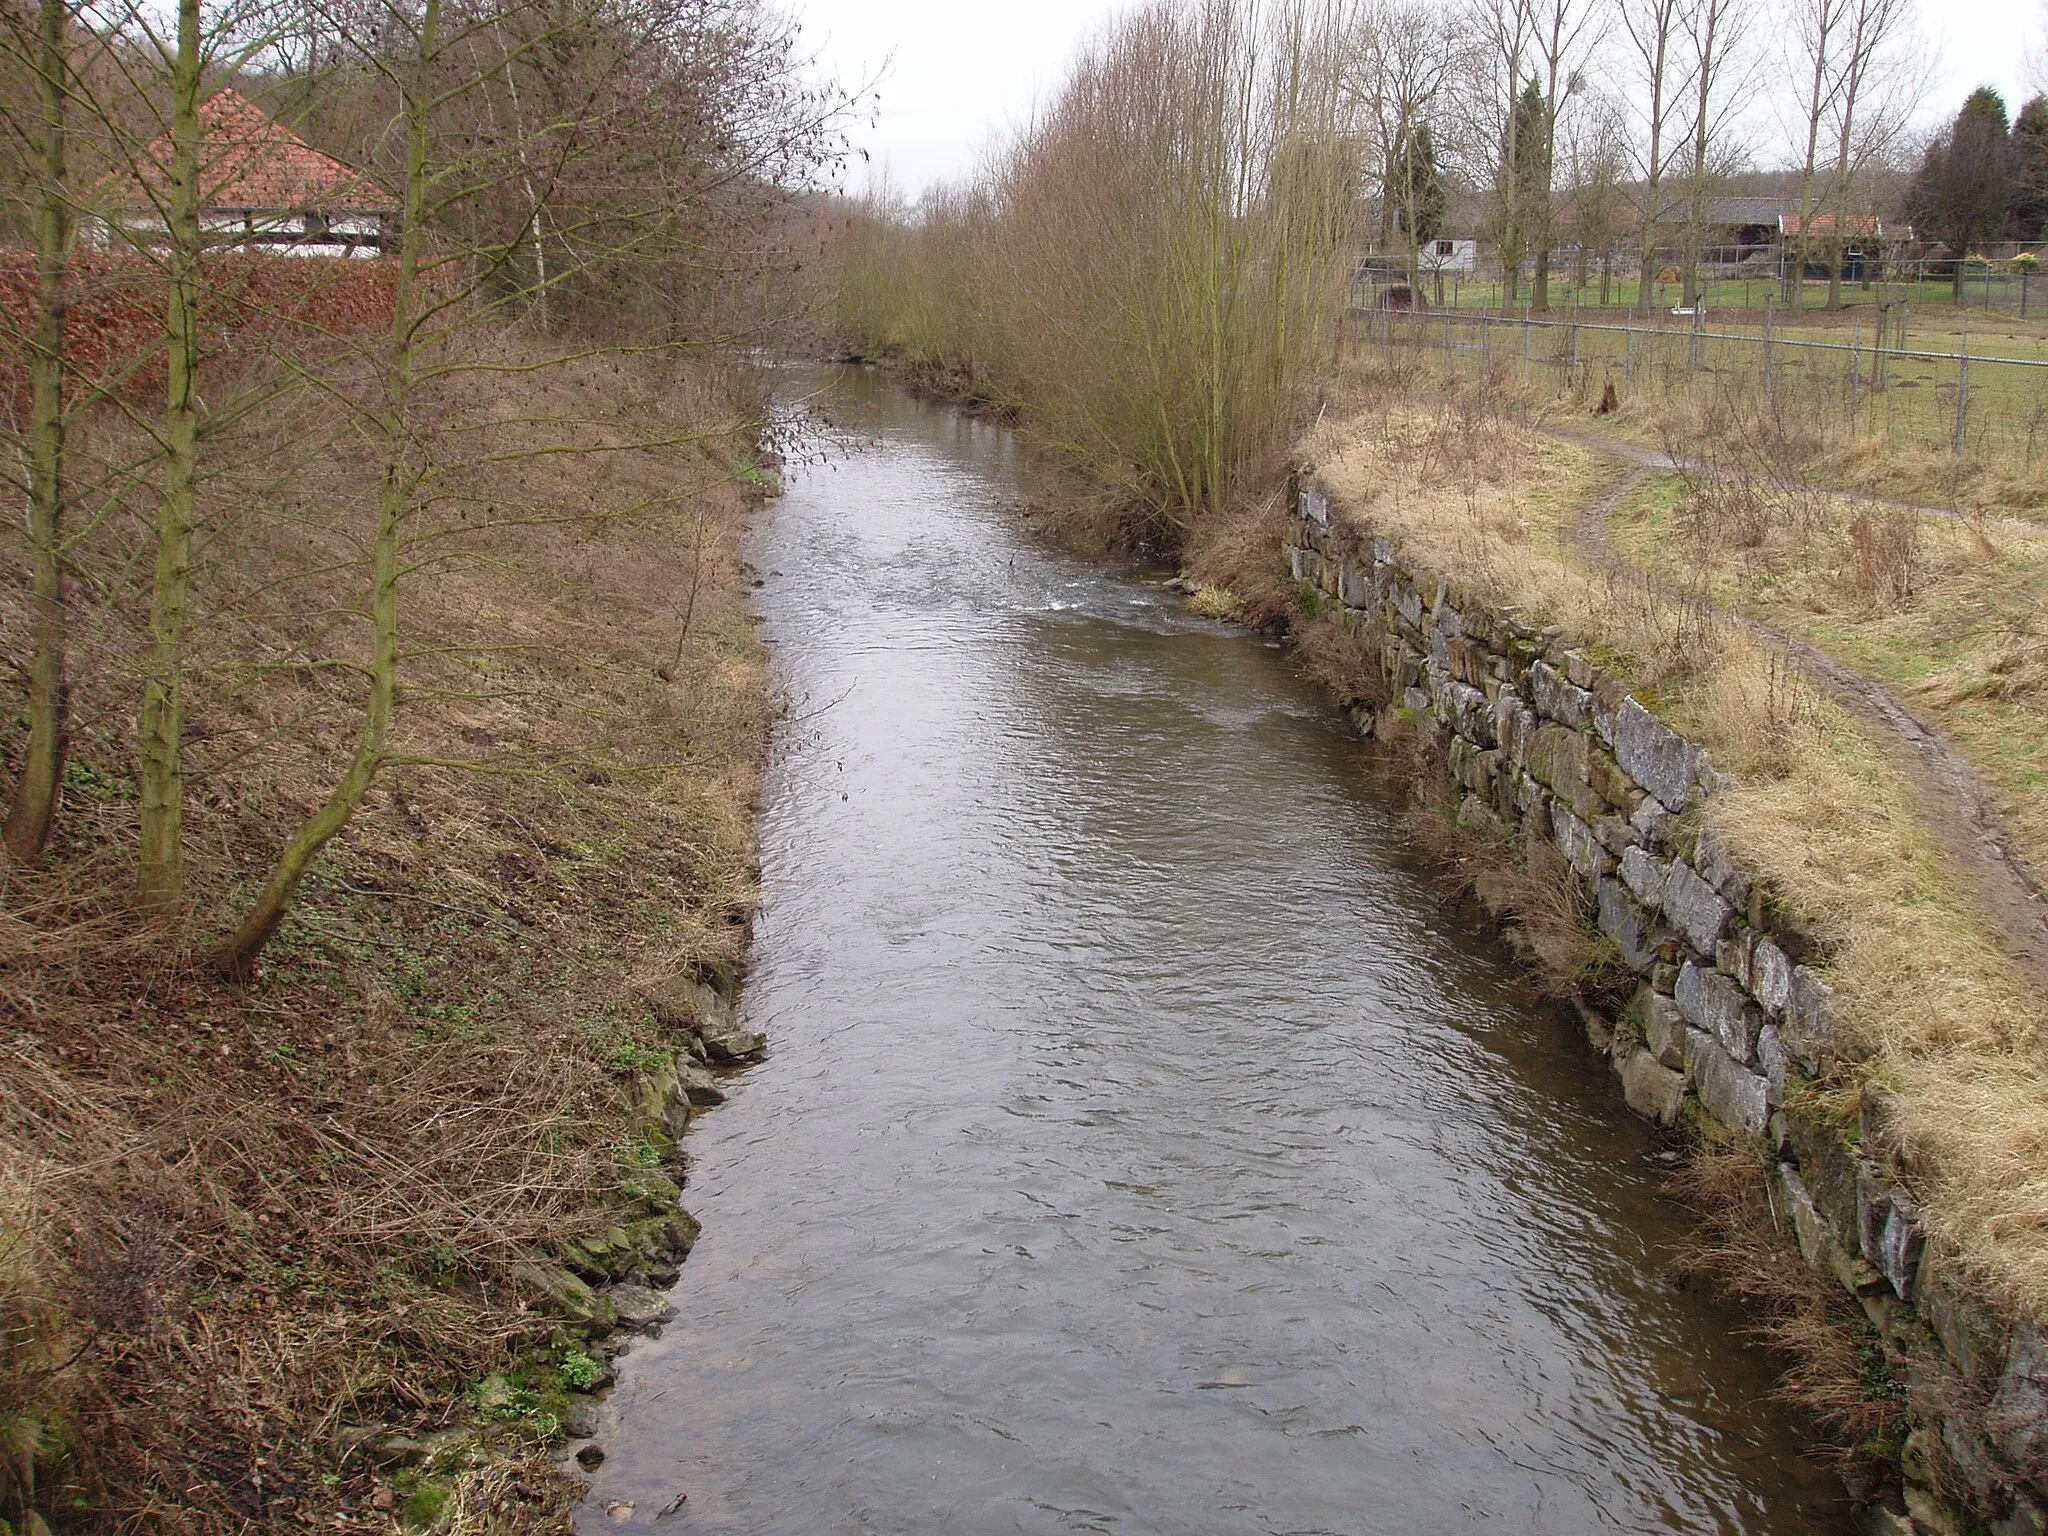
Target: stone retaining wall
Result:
[1732, 1017]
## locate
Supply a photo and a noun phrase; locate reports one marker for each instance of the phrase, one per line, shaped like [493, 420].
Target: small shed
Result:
[1862, 238]
[262, 188]
[1454, 256]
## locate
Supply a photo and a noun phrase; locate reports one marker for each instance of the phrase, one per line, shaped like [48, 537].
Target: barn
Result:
[263, 189]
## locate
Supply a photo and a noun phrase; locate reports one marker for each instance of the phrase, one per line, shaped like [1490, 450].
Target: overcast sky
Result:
[961, 70]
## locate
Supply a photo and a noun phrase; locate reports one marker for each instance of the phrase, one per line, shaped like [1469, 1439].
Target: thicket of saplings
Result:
[380, 682]
[1153, 271]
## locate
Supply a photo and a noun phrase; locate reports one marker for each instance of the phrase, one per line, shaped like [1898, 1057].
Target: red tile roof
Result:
[249, 160]
[1856, 225]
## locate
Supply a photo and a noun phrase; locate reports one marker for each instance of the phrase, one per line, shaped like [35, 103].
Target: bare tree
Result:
[1596, 153]
[598, 174]
[1509, 119]
[45, 50]
[1561, 36]
[1814, 44]
[1882, 82]
[1716, 34]
[1401, 60]
[1654, 31]
[1855, 93]
[160, 863]
[1967, 179]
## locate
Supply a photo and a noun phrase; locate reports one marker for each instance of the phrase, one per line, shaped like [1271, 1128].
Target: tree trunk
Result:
[160, 874]
[1539, 285]
[36, 792]
[236, 958]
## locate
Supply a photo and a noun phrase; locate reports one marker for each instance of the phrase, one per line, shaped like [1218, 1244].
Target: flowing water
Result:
[1142, 1146]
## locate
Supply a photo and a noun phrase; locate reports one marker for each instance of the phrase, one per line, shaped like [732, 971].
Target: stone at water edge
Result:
[1652, 1089]
[1732, 1094]
[580, 1420]
[734, 1046]
[683, 1002]
[699, 1086]
[639, 1307]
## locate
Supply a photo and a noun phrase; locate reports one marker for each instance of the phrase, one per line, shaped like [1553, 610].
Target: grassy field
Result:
[241, 1228]
[1749, 296]
[1818, 809]
[1880, 420]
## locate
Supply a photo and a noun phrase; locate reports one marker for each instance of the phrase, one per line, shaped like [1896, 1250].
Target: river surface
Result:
[1142, 1146]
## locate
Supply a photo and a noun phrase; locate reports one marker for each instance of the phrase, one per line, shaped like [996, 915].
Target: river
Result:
[1142, 1146]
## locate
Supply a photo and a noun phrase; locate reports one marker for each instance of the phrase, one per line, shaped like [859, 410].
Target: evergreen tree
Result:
[2029, 217]
[1524, 181]
[1968, 180]
[1418, 186]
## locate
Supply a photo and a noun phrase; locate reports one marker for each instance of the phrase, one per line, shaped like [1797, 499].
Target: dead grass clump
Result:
[1345, 666]
[1543, 907]
[1884, 557]
[2011, 668]
[1540, 904]
[1835, 1366]
[39, 1345]
[1232, 549]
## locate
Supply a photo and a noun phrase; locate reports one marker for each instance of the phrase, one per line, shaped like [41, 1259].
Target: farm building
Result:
[1455, 256]
[264, 188]
[1862, 237]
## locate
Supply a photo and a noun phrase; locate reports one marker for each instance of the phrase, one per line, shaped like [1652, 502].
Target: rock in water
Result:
[639, 1307]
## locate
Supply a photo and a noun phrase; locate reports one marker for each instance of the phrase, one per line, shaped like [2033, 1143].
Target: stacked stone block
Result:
[1545, 746]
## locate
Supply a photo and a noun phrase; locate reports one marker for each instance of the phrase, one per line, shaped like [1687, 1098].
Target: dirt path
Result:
[1961, 808]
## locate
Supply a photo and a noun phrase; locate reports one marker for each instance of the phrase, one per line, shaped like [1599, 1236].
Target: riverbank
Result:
[1436, 553]
[1193, 1147]
[333, 1250]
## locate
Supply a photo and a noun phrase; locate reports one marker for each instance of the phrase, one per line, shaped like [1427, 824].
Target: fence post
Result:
[1855, 372]
[1575, 342]
[1628, 327]
[1450, 359]
[1962, 384]
[1527, 331]
[2024, 275]
[1485, 353]
[1767, 348]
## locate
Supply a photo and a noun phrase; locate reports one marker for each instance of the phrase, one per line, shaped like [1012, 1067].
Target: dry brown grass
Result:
[1834, 1365]
[1862, 461]
[1946, 611]
[272, 1211]
[1232, 550]
[1541, 906]
[1931, 1004]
